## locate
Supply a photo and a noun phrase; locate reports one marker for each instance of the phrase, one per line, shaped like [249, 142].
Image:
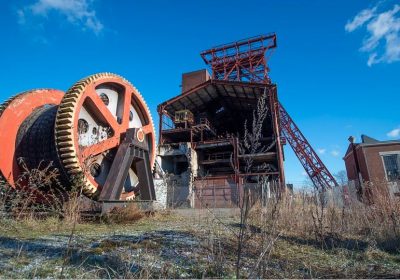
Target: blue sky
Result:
[337, 63]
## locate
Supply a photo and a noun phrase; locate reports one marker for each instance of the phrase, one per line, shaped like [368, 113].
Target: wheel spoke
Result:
[100, 147]
[97, 106]
[147, 129]
[127, 108]
[92, 121]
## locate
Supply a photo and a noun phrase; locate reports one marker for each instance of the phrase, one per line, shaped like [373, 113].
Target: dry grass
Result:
[304, 216]
[293, 236]
[129, 214]
[199, 246]
[320, 226]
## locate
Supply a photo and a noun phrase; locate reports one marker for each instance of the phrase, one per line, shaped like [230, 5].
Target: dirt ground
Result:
[178, 244]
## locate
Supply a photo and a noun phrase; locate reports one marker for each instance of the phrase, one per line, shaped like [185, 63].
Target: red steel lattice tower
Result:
[247, 61]
[244, 60]
[315, 168]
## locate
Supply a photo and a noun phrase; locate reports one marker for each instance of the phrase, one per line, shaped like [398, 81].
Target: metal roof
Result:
[232, 95]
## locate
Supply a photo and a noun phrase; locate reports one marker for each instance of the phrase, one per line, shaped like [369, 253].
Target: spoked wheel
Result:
[90, 124]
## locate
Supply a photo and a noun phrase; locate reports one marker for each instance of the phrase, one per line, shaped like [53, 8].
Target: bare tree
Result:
[250, 145]
[341, 177]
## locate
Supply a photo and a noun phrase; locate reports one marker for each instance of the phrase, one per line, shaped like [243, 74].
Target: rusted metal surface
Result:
[244, 60]
[80, 150]
[14, 113]
[216, 193]
[220, 107]
[313, 165]
[78, 133]
[130, 150]
[239, 78]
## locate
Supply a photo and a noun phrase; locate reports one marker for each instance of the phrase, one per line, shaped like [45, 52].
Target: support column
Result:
[277, 132]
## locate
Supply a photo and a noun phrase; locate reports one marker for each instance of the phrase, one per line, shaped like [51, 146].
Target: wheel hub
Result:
[78, 132]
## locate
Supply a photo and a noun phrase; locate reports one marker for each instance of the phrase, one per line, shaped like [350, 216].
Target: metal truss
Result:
[246, 61]
[315, 168]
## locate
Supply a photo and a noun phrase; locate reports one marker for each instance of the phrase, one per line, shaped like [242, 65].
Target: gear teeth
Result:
[66, 115]
[69, 101]
[65, 143]
[132, 197]
[66, 110]
[62, 122]
[63, 126]
[65, 138]
[72, 166]
[66, 151]
[65, 132]
[64, 156]
[69, 161]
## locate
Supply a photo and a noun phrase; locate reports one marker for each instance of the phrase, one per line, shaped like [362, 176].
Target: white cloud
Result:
[335, 153]
[394, 133]
[361, 18]
[382, 42]
[321, 151]
[77, 12]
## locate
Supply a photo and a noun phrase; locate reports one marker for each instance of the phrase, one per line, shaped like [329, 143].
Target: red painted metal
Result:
[274, 107]
[315, 168]
[42, 125]
[11, 119]
[89, 96]
[246, 61]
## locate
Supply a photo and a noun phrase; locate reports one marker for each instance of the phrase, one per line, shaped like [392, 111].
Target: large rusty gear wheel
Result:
[91, 119]
[76, 134]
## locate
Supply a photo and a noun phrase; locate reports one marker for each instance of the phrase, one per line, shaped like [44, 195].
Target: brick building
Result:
[377, 160]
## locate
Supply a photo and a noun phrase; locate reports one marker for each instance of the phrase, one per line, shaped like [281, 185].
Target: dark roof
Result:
[367, 141]
[230, 94]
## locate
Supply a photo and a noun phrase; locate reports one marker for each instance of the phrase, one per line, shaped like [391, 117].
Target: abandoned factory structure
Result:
[201, 134]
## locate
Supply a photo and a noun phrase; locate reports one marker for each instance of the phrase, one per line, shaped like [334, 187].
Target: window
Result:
[392, 166]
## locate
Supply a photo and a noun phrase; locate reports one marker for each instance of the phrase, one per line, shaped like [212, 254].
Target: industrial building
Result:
[202, 132]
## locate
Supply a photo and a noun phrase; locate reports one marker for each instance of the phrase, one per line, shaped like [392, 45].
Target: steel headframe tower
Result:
[246, 61]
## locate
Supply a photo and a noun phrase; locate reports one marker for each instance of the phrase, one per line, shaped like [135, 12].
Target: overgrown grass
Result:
[172, 246]
[296, 236]
[30, 227]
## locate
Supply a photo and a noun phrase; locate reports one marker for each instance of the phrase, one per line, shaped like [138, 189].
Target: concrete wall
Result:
[176, 190]
[161, 193]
